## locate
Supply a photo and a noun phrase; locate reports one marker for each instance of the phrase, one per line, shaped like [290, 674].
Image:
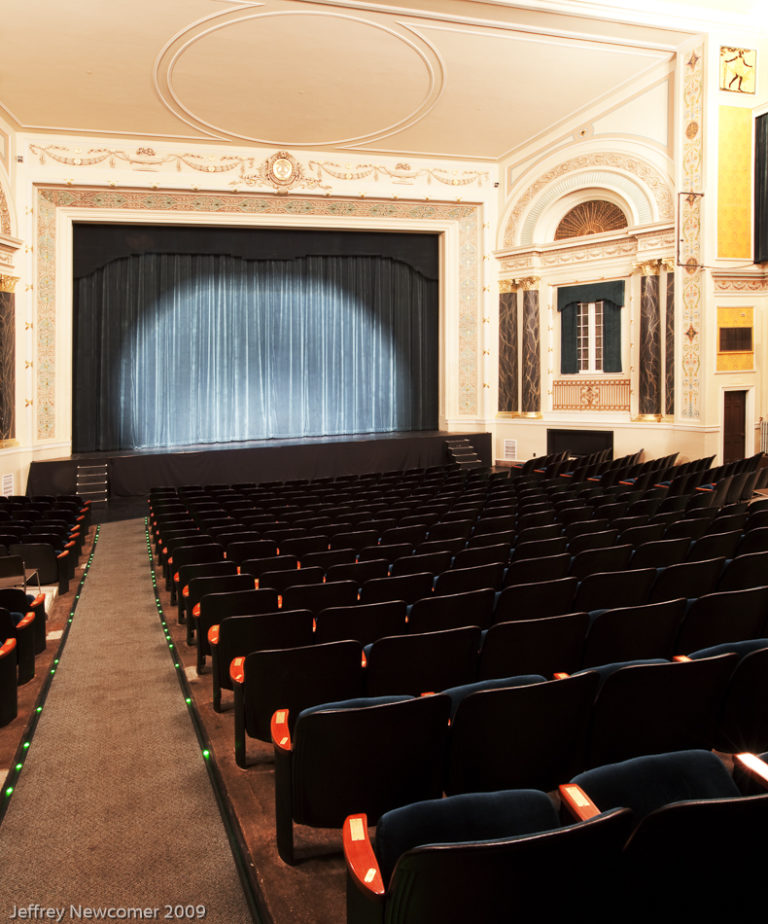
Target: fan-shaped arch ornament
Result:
[593, 217]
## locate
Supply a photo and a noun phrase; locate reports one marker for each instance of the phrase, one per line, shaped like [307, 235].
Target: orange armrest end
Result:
[757, 768]
[358, 852]
[213, 635]
[237, 670]
[196, 611]
[278, 726]
[7, 647]
[63, 555]
[39, 600]
[26, 621]
[560, 675]
[681, 658]
[577, 802]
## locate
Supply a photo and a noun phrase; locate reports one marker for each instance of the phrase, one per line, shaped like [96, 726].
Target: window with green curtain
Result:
[611, 294]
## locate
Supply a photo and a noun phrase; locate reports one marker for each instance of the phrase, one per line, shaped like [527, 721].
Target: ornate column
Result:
[669, 340]
[649, 381]
[7, 357]
[509, 399]
[531, 356]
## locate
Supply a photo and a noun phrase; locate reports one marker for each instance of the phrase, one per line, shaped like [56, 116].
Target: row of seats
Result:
[667, 835]
[290, 742]
[521, 733]
[409, 657]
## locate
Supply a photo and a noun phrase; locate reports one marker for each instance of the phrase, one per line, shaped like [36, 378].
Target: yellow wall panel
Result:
[735, 361]
[734, 189]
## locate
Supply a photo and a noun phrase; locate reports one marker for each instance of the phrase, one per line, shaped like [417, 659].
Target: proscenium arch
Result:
[459, 226]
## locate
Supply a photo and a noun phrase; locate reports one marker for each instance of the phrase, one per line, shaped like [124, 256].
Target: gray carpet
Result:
[114, 809]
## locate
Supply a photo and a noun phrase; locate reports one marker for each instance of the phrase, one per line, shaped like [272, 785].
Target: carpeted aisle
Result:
[113, 816]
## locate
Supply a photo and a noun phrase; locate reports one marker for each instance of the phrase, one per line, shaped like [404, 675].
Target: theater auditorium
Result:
[351, 352]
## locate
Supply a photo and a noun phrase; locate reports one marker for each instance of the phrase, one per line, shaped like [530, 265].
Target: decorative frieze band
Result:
[281, 172]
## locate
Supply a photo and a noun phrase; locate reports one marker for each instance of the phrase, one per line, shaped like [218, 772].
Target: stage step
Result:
[92, 483]
[462, 452]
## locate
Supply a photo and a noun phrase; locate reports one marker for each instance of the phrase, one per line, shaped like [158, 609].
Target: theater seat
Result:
[376, 754]
[481, 857]
[698, 850]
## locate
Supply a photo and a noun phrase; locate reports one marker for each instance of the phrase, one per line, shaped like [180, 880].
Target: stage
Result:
[132, 474]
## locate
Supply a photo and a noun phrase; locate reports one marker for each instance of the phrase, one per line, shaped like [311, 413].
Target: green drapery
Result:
[611, 294]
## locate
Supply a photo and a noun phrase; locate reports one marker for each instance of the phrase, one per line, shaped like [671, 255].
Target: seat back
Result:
[296, 678]
[653, 708]
[522, 736]
[538, 646]
[484, 880]
[364, 622]
[421, 663]
[367, 758]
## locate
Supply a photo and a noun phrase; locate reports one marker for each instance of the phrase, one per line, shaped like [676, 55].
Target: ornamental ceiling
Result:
[457, 78]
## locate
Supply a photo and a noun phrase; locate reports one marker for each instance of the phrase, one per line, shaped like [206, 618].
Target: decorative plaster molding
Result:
[736, 284]
[5, 213]
[466, 217]
[8, 283]
[690, 233]
[639, 169]
[606, 247]
[403, 173]
[8, 247]
[199, 31]
[252, 172]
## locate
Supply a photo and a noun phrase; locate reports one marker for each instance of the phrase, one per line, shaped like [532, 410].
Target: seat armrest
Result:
[26, 621]
[8, 647]
[38, 601]
[237, 670]
[577, 803]
[213, 635]
[560, 675]
[681, 658]
[361, 861]
[755, 768]
[278, 727]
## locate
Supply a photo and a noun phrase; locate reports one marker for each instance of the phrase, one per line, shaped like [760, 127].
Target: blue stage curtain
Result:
[180, 349]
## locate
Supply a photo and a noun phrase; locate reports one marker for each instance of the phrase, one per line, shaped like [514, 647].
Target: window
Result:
[589, 336]
[590, 328]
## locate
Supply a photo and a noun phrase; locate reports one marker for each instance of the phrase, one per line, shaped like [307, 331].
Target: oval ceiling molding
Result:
[254, 101]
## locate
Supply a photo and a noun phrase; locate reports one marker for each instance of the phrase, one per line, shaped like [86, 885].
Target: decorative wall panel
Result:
[591, 395]
[649, 382]
[669, 347]
[734, 183]
[508, 364]
[531, 397]
[691, 234]
[7, 365]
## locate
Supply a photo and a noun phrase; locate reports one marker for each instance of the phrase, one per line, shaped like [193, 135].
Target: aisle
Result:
[113, 816]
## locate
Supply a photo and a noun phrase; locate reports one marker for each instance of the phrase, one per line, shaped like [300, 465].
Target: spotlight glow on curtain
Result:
[174, 350]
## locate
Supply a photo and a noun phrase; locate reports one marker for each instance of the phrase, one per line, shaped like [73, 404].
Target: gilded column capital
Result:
[8, 283]
[527, 283]
[648, 267]
[669, 264]
[507, 285]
